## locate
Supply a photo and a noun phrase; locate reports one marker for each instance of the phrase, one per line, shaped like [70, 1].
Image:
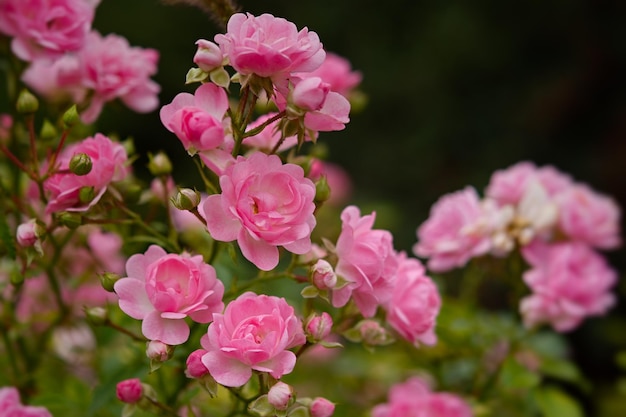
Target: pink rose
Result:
[162, 289]
[337, 71]
[507, 186]
[454, 231]
[129, 391]
[264, 204]
[112, 69]
[45, 28]
[11, 406]
[321, 407]
[589, 217]
[269, 136]
[59, 81]
[366, 259]
[254, 333]
[569, 281]
[309, 94]
[195, 367]
[269, 46]
[27, 233]
[414, 398]
[108, 164]
[415, 302]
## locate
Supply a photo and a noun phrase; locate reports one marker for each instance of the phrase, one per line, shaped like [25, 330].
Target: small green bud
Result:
[27, 103]
[186, 199]
[96, 316]
[70, 220]
[81, 164]
[86, 194]
[108, 280]
[71, 117]
[159, 164]
[48, 132]
[322, 190]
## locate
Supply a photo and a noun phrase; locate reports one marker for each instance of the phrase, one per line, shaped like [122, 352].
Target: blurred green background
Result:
[456, 90]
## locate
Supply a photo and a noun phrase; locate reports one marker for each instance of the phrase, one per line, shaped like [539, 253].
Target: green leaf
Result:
[555, 403]
[309, 292]
[514, 376]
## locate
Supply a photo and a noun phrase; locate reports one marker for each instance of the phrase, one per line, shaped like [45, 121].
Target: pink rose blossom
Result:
[264, 204]
[59, 80]
[254, 333]
[208, 55]
[589, 217]
[507, 186]
[112, 69]
[199, 121]
[569, 282]
[414, 398]
[415, 302]
[129, 391]
[109, 164]
[11, 406]
[269, 137]
[45, 28]
[162, 289]
[269, 46]
[337, 72]
[366, 260]
[454, 231]
[195, 367]
[321, 407]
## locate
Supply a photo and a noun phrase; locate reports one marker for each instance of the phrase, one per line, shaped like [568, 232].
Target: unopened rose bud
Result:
[86, 194]
[158, 351]
[318, 327]
[322, 190]
[48, 132]
[159, 164]
[323, 275]
[108, 280]
[81, 164]
[70, 220]
[129, 391]
[186, 199]
[280, 396]
[28, 233]
[71, 117]
[372, 333]
[195, 367]
[97, 316]
[321, 407]
[310, 93]
[208, 56]
[27, 103]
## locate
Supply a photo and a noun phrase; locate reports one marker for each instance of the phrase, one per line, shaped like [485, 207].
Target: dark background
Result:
[457, 89]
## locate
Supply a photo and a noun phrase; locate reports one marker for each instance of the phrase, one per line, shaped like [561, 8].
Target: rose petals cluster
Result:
[11, 405]
[269, 46]
[366, 260]
[264, 204]
[414, 398]
[569, 282]
[46, 28]
[199, 121]
[254, 333]
[163, 289]
[109, 163]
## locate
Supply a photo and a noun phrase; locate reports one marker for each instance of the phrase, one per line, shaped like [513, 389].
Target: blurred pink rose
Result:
[268, 137]
[108, 164]
[254, 333]
[589, 217]
[59, 80]
[414, 398]
[112, 69]
[454, 232]
[264, 204]
[337, 71]
[321, 407]
[162, 289]
[46, 28]
[129, 391]
[269, 46]
[366, 259]
[569, 282]
[415, 303]
[11, 405]
[507, 186]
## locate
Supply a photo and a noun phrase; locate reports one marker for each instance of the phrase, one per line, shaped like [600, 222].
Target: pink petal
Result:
[170, 332]
[260, 253]
[226, 371]
[133, 298]
[221, 226]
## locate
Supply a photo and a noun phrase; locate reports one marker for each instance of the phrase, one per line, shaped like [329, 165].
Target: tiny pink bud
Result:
[27, 233]
[129, 391]
[321, 407]
[208, 56]
[158, 351]
[318, 327]
[195, 367]
[280, 395]
[323, 275]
